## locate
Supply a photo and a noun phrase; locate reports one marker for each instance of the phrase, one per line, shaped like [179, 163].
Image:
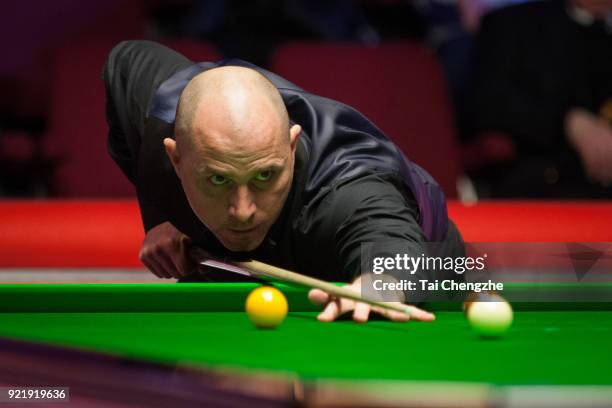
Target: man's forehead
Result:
[219, 148]
[238, 125]
[239, 119]
[228, 72]
[240, 141]
[230, 165]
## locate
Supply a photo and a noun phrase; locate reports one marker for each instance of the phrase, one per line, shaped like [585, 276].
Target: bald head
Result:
[236, 102]
[234, 153]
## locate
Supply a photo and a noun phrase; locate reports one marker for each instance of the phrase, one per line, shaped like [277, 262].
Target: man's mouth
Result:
[242, 230]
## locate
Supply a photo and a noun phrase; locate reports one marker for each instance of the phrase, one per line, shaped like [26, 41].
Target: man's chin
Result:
[240, 245]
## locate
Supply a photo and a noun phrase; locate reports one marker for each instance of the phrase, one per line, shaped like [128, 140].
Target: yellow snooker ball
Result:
[266, 307]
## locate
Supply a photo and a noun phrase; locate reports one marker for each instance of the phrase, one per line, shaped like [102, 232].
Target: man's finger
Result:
[195, 253]
[361, 312]
[392, 315]
[330, 313]
[415, 314]
[165, 261]
[149, 266]
[181, 264]
[318, 297]
[155, 267]
[422, 315]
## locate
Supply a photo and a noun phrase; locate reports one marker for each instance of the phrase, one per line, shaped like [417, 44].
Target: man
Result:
[237, 161]
[543, 78]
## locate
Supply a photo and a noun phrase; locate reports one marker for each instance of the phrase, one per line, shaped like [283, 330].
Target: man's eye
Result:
[218, 180]
[264, 175]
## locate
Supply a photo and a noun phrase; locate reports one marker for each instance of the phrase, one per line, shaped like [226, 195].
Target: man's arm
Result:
[132, 73]
[372, 209]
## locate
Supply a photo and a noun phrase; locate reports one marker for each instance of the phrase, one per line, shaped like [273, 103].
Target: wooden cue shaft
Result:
[294, 277]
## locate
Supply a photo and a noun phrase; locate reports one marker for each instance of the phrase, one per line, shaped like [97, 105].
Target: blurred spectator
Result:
[32, 30]
[450, 28]
[543, 77]
[449, 33]
[252, 30]
[31, 34]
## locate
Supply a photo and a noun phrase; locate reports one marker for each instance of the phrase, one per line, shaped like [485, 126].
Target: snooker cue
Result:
[260, 268]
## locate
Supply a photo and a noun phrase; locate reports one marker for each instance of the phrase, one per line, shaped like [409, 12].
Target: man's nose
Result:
[242, 207]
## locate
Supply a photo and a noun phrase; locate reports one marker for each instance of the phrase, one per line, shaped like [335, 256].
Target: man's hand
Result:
[592, 139]
[165, 252]
[335, 307]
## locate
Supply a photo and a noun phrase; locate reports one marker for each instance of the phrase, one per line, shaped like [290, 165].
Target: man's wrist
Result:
[378, 287]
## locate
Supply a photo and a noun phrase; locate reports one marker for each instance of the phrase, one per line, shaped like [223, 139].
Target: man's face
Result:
[237, 186]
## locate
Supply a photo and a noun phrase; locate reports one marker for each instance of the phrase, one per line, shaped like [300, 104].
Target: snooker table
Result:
[189, 332]
[162, 344]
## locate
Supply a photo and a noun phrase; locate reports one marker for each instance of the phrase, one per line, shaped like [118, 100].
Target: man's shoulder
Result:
[127, 46]
[336, 203]
[143, 52]
[372, 184]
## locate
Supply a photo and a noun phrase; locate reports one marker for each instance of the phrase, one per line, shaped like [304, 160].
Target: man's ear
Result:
[172, 152]
[294, 133]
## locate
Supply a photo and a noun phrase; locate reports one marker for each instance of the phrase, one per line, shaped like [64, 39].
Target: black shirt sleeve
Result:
[368, 209]
[132, 73]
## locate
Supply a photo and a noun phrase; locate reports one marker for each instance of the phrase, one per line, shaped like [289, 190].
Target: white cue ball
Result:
[490, 319]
